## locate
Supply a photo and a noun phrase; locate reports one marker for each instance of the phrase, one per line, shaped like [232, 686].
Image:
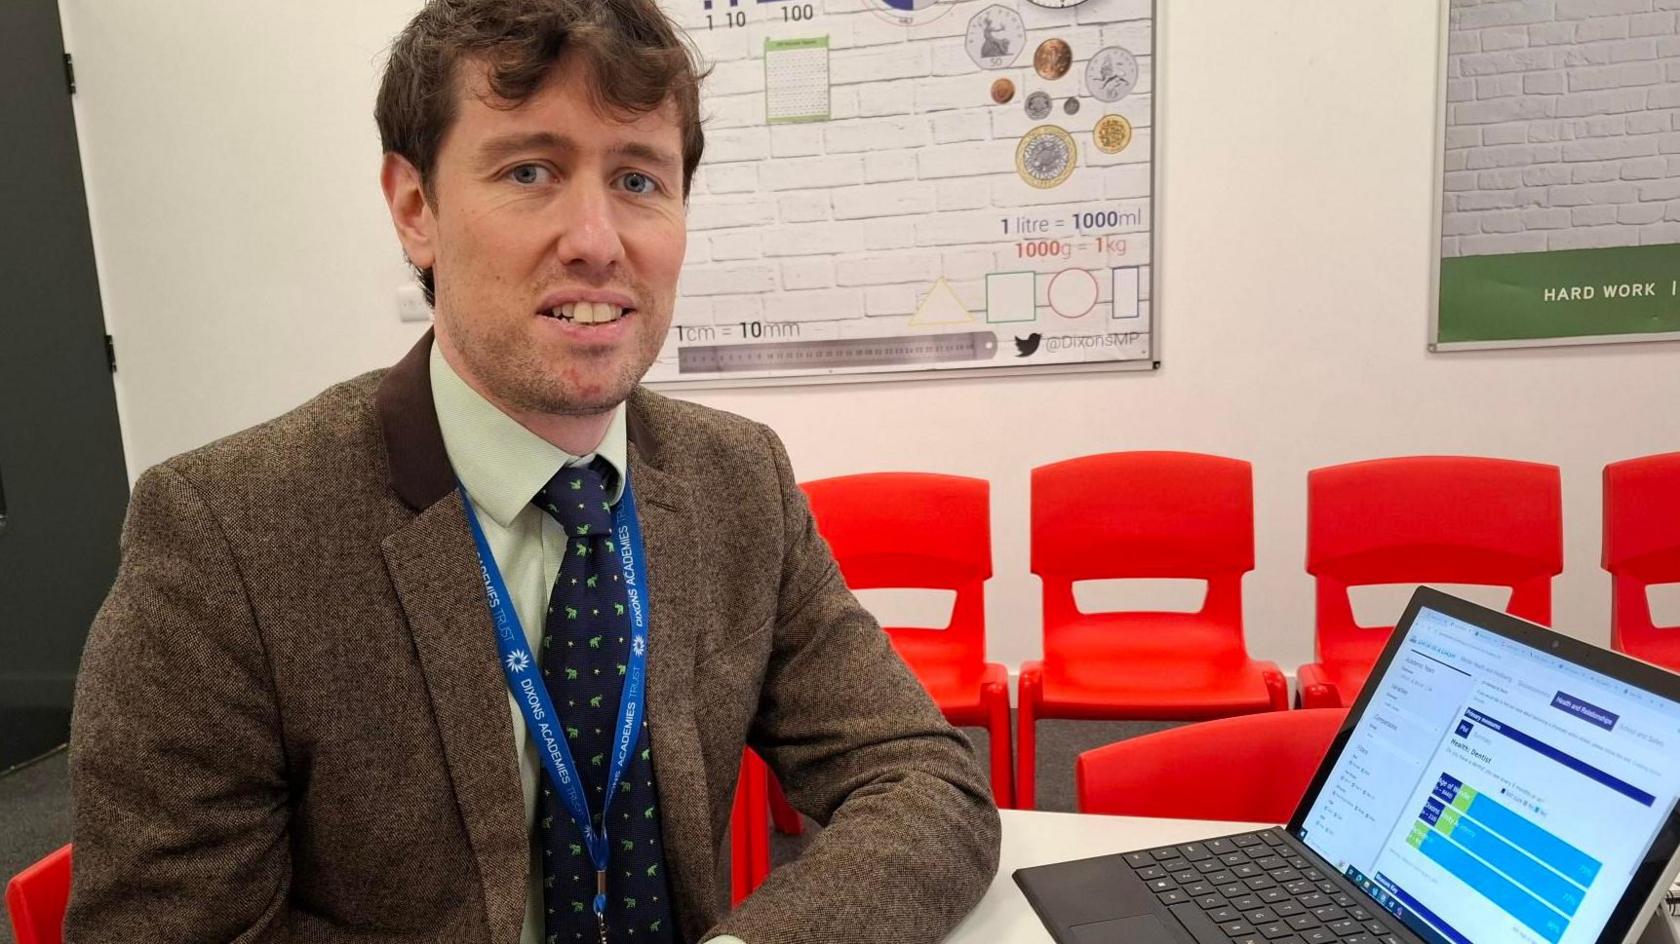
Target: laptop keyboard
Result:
[1252, 888]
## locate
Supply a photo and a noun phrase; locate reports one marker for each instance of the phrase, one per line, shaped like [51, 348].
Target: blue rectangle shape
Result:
[1446, 788]
[1464, 728]
[1550, 887]
[1412, 904]
[1535, 839]
[1585, 710]
[1495, 887]
[1432, 811]
[1573, 763]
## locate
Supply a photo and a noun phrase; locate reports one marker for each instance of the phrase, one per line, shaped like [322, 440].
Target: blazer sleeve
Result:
[911, 833]
[178, 773]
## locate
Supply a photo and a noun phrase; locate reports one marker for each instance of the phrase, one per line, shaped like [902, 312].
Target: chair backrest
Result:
[1186, 772]
[914, 530]
[1430, 519]
[1140, 515]
[36, 898]
[1641, 548]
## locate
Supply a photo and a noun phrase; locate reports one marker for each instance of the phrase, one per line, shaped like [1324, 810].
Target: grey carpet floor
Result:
[35, 799]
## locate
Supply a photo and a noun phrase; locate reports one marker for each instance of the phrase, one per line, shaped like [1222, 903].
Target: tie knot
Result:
[577, 498]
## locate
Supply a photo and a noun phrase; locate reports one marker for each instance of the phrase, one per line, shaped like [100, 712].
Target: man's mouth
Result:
[588, 313]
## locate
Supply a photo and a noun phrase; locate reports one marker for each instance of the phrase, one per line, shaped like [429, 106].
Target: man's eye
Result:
[639, 183]
[527, 174]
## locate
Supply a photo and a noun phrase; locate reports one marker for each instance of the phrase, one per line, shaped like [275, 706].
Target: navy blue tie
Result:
[585, 650]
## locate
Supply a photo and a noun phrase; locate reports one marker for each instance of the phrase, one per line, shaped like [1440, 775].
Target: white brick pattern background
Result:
[1563, 125]
[843, 226]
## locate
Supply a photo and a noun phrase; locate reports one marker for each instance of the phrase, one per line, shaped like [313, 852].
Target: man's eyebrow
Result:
[498, 149]
[648, 153]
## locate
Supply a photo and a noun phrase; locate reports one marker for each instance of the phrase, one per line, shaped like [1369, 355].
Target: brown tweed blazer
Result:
[291, 724]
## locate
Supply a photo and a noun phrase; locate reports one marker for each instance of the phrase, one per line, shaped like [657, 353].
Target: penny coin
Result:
[1002, 91]
[1053, 58]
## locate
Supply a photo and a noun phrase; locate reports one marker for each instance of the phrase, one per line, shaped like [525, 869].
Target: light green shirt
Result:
[503, 464]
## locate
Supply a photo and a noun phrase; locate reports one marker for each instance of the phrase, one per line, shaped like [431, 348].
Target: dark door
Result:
[61, 464]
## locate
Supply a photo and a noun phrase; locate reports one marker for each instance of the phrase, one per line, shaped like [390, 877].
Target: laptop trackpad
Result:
[1138, 929]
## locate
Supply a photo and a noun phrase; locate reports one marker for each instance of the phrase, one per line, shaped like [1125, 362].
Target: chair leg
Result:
[1003, 759]
[1026, 739]
[749, 839]
[782, 813]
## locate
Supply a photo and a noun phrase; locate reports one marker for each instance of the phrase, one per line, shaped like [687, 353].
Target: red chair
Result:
[749, 831]
[1186, 773]
[36, 897]
[1641, 548]
[1422, 519]
[1141, 515]
[913, 529]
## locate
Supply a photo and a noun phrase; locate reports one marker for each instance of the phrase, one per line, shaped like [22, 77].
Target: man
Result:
[296, 717]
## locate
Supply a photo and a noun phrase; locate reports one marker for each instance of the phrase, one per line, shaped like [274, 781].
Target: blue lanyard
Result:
[525, 681]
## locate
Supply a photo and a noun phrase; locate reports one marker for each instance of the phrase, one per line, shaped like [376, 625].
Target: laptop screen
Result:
[1492, 791]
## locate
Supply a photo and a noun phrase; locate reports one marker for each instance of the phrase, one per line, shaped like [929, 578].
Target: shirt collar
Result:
[501, 463]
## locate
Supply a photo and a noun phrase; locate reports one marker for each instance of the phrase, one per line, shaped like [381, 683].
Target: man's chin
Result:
[588, 402]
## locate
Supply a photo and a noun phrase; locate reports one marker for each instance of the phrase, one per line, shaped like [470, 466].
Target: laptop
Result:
[1494, 783]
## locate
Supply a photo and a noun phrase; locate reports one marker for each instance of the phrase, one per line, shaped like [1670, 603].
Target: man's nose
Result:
[588, 229]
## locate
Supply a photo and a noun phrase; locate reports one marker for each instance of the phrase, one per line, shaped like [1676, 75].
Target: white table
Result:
[1032, 838]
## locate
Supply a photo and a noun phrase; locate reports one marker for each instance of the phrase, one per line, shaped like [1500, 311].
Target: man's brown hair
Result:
[634, 55]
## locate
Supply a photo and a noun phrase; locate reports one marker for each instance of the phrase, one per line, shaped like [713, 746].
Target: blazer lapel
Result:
[435, 570]
[685, 812]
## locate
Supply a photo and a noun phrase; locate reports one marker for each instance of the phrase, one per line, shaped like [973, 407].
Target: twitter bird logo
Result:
[1024, 347]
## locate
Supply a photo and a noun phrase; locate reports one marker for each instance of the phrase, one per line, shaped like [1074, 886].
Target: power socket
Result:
[411, 304]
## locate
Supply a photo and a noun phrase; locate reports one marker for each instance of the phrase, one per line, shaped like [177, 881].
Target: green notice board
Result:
[1625, 293]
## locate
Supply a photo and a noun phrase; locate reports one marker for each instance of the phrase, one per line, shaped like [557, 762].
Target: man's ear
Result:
[410, 212]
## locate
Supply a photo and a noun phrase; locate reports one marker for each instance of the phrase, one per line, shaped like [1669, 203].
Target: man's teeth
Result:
[588, 312]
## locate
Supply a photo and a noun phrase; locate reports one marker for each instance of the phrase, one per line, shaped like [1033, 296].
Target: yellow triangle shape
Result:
[941, 307]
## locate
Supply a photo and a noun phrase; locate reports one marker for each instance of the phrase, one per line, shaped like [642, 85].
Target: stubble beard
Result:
[514, 371]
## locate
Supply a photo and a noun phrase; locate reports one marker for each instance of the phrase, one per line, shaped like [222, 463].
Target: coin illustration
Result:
[1112, 134]
[996, 36]
[1038, 105]
[1002, 91]
[1053, 58]
[1111, 74]
[1071, 106]
[1045, 157]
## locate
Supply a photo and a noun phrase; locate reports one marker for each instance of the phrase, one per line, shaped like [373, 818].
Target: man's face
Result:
[557, 234]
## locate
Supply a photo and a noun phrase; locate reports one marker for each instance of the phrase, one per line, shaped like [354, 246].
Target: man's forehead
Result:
[569, 78]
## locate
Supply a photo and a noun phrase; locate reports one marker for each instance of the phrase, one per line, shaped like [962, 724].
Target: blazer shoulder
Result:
[331, 443]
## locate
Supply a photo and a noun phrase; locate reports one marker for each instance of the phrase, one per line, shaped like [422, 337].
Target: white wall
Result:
[247, 262]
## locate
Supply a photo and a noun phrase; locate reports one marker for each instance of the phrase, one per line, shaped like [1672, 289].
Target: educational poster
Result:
[1560, 186]
[898, 188]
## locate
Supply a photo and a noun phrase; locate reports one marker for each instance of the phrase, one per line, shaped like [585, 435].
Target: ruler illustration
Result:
[846, 352]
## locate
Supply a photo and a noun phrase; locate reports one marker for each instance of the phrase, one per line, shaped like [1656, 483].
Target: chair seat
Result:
[1160, 690]
[1662, 649]
[1153, 665]
[959, 687]
[1344, 677]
